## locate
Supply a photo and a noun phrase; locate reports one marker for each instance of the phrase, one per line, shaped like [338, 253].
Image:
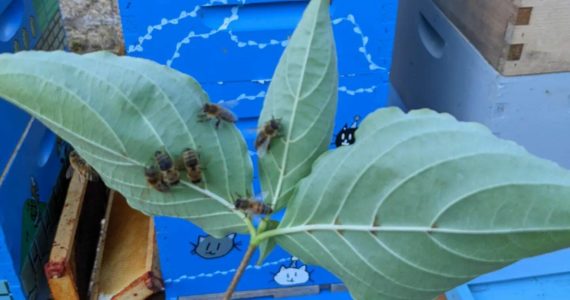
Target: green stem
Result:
[250, 228]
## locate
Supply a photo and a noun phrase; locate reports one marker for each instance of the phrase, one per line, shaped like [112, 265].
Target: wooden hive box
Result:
[517, 37]
[103, 249]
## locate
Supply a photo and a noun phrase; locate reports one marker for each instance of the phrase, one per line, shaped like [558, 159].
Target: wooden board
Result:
[517, 37]
[129, 267]
[60, 269]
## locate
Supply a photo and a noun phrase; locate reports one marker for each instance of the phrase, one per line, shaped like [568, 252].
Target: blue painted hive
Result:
[29, 160]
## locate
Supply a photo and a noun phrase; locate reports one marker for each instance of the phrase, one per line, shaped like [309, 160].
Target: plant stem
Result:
[239, 272]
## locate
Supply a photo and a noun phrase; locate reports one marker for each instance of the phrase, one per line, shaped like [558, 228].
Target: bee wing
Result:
[262, 149]
[261, 196]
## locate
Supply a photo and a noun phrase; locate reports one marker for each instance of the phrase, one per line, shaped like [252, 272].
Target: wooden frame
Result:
[60, 269]
[129, 267]
[126, 261]
[517, 37]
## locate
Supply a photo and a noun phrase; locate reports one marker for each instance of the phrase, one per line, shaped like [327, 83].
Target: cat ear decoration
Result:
[303, 268]
[201, 238]
[356, 121]
[283, 268]
[231, 236]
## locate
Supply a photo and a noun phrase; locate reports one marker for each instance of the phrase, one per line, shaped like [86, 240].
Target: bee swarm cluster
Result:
[163, 172]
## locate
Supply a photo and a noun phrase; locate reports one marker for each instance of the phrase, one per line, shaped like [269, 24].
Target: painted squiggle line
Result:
[260, 45]
[165, 22]
[369, 90]
[350, 18]
[243, 97]
[262, 81]
[235, 38]
[192, 34]
[225, 272]
[362, 49]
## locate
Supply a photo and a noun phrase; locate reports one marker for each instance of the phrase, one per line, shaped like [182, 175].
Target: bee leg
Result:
[202, 117]
[218, 123]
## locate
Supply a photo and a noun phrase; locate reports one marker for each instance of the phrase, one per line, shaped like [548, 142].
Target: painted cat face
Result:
[292, 276]
[209, 247]
[345, 137]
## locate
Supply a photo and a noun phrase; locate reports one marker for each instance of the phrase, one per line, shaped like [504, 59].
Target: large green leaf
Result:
[303, 95]
[117, 111]
[422, 203]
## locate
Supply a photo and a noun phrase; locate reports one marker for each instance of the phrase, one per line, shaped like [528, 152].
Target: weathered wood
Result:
[60, 270]
[517, 37]
[129, 268]
[92, 26]
[275, 293]
[95, 275]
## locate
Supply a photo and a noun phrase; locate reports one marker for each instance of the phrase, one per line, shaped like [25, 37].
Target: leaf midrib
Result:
[297, 96]
[403, 229]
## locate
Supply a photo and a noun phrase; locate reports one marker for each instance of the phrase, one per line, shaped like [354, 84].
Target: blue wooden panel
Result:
[37, 158]
[15, 34]
[7, 272]
[197, 264]
[221, 41]
[13, 121]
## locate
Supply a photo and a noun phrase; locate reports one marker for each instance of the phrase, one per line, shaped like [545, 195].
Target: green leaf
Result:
[422, 203]
[266, 246]
[117, 111]
[303, 95]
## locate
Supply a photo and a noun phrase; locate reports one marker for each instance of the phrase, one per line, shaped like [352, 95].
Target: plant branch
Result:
[239, 272]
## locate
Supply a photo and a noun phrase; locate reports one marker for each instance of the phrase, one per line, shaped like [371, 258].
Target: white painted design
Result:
[260, 45]
[192, 35]
[152, 29]
[349, 92]
[224, 272]
[362, 49]
[243, 97]
[163, 23]
[231, 103]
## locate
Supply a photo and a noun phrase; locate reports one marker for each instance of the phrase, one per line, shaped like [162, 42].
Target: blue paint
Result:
[16, 187]
[7, 270]
[13, 14]
[155, 35]
[36, 158]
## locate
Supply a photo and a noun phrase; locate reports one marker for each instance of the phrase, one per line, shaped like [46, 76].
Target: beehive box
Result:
[30, 159]
[516, 36]
[103, 249]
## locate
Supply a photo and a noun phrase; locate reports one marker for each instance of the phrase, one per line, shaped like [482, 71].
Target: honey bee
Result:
[78, 164]
[269, 131]
[154, 179]
[170, 175]
[191, 160]
[214, 111]
[252, 206]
